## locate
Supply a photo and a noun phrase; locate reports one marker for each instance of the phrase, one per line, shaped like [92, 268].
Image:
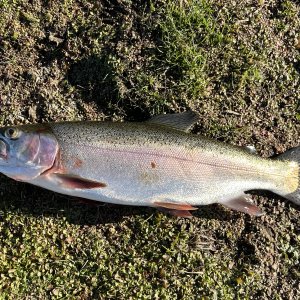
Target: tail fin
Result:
[293, 155]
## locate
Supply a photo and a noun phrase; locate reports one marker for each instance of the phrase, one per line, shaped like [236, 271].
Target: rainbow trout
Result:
[156, 163]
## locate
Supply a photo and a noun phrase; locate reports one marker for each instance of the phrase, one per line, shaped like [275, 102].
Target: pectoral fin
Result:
[243, 204]
[76, 182]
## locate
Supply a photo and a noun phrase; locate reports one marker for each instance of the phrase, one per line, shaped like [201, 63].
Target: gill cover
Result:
[26, 151]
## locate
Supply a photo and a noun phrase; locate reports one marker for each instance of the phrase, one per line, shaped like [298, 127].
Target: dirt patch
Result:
[236, 63]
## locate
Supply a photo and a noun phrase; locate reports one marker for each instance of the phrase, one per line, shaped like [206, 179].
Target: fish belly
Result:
[144, 175]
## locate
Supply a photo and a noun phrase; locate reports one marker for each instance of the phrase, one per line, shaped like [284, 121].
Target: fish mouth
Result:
[3, 150]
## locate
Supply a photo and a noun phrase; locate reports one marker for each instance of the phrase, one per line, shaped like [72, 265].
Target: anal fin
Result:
[176, 206]
[175, 209]
[243, 204]
[176, 212]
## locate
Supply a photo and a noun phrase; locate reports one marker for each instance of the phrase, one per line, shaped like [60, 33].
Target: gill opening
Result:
[56, 166]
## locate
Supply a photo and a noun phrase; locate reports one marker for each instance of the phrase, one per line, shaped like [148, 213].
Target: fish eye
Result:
[12, 133]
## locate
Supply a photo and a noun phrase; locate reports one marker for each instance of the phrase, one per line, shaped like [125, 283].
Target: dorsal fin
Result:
[181, 121]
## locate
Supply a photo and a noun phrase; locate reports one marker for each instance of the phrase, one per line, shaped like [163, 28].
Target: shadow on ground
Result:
[96, 81]
[94, 78]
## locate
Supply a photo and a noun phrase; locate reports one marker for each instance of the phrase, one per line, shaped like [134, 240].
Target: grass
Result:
[187, 28]
[237, 65]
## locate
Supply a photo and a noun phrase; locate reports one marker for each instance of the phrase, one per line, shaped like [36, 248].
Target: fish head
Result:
[26, 151]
